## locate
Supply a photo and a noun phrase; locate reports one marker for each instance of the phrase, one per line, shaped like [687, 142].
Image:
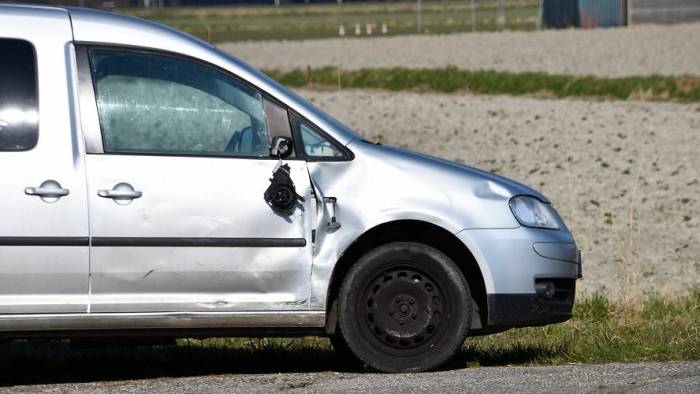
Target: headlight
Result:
[532, 212]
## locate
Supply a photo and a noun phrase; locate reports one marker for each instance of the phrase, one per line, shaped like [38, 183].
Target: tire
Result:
[404, 307]
[345, 355]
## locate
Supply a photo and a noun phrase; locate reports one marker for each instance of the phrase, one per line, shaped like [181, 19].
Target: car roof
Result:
[97, 27]
[28, 8]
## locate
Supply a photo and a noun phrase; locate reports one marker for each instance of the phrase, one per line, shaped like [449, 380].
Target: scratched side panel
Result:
[197, 279]
[191, 197]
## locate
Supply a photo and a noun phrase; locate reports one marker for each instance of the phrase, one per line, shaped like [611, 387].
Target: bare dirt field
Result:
[624, 175]
[636, 50]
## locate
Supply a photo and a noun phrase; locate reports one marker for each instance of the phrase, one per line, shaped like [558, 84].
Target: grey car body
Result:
[138, 241]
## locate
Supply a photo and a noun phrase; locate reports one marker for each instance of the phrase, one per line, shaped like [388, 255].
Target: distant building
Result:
[607, 13]
[584, 13]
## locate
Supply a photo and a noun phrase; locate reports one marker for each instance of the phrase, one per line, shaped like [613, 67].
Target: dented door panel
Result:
[201, 237]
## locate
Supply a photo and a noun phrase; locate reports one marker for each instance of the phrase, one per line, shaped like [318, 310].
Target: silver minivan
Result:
[151, 184]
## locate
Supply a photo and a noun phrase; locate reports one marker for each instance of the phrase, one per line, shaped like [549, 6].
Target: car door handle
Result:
[121, 193]
[46, 192]
[49, 191]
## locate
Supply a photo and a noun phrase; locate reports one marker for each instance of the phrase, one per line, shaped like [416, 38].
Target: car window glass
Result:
[161, 104]
[19, 108]
[315, 144]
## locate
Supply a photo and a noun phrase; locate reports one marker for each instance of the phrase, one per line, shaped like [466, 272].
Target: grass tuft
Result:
[452, 79]
[596, 308]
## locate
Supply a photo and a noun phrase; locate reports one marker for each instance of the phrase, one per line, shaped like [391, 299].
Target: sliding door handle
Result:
[49, 191]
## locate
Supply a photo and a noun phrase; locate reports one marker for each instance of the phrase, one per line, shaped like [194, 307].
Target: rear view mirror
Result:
[281, 147]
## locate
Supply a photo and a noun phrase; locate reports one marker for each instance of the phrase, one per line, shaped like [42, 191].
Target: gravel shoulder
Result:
[635, 378]
[624, 175]
[618, 52]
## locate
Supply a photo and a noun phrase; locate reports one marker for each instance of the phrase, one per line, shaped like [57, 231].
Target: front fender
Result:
[384, 185]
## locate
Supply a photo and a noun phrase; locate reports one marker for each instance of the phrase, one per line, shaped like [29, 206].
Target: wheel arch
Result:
[410, 231]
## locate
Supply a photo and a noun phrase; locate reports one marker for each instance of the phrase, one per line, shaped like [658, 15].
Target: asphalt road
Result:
[677, 377]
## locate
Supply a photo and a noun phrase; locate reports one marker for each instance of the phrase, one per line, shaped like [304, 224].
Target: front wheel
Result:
[404, 307]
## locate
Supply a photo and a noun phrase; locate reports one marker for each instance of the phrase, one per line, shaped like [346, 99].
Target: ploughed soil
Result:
[624, 175]
[614, 52]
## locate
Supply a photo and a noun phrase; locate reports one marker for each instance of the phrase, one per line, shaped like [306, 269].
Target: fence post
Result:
[338, 70]
[628, 6]
[501, 16]
[420, 17]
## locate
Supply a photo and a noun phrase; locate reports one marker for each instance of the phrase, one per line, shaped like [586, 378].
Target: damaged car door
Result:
[178, 170]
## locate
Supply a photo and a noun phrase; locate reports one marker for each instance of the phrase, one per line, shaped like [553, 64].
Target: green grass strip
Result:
[452, 79]
[661, 329]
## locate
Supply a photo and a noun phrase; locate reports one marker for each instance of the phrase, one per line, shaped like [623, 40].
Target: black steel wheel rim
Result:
[404, 309]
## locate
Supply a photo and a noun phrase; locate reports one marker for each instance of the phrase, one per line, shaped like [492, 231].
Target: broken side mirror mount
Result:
[281, 147]
[281, 195]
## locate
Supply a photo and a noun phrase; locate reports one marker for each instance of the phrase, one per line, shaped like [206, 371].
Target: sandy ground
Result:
[638, 50]
[624, 175]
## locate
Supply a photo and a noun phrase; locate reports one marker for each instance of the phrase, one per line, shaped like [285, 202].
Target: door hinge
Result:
[333, 224]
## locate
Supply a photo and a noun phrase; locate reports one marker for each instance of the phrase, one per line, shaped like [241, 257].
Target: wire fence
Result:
[294, 22]
[663, 11]
[220, 20]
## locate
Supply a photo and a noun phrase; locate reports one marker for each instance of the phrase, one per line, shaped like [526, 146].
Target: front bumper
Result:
[512, 261]
[522, 310]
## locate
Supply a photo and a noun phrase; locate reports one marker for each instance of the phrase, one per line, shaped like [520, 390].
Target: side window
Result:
[159, 104]
[19, 104]
[315, 144]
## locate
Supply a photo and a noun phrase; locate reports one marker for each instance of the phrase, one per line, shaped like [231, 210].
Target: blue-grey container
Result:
[559, 14]
[584, 13]
[602, 13]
